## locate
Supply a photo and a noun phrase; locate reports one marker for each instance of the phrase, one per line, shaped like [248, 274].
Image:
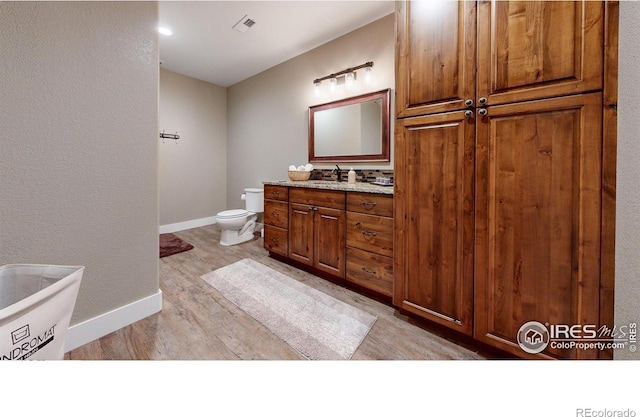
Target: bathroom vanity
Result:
[341, 232]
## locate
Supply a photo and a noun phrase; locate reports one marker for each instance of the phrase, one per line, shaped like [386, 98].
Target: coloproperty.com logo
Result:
[534, 337]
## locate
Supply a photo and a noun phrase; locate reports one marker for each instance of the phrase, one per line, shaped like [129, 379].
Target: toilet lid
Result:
[228, 214]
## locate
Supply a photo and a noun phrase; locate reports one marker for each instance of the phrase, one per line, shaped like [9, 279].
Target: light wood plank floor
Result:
[196, 322]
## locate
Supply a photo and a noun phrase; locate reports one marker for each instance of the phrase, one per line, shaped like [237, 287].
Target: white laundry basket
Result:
[36, 303]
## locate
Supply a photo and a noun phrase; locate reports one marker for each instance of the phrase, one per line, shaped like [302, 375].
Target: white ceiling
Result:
[204, 45]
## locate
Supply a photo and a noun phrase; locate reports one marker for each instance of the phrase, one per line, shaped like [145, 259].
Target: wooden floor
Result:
[196, 322]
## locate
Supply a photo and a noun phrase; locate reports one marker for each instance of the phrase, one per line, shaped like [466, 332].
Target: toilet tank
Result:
[254, 199]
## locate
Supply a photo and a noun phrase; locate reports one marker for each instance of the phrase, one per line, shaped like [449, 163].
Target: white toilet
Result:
[238, 225]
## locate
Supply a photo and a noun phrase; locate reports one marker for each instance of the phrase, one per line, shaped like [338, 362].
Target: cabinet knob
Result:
[468, 102]
[482, 112]
[275, 192]
[482, 100]
[273, 239]
[310, 208]
[468, 113]
[275, 213]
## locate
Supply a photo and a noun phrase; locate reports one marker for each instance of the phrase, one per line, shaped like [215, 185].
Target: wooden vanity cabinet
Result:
[346, 236]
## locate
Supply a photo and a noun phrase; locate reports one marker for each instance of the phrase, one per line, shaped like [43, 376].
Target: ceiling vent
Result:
[244, 24]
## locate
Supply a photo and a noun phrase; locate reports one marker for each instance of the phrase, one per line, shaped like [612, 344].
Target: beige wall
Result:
[192, 171]
[79, 146]
[267, 114]
[627, 284]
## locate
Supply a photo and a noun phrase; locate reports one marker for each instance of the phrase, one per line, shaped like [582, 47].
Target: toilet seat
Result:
[232, 214]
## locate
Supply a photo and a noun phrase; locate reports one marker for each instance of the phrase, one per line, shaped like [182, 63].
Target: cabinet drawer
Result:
[370, 270]
[276, 192]
[276, 213]
[275, 240]
[378, 204]
[370, 233]
[321, 198]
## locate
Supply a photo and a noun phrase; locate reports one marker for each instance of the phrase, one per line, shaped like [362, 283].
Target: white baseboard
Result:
[190, 224]
[97, 327]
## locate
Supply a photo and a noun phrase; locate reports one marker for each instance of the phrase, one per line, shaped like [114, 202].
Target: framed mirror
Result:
[351, 129]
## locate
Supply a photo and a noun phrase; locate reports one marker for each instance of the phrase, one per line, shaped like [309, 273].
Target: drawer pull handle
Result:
[273, 239]
[372, 234]
[275, 213]
[369, 271]
[368, 203]
[275, 192]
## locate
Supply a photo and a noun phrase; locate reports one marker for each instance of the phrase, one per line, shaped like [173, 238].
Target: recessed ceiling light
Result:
[165, 31]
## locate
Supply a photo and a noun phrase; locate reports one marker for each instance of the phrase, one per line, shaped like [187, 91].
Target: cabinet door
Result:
[330, 241]
[436, 56]
[537, 49]
[301, 233]
[434, 220]
[538, 219]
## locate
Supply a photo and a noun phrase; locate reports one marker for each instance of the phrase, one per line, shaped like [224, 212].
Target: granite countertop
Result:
[360, 187]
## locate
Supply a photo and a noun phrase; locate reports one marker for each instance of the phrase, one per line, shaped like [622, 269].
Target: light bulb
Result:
[349, 78]
[333, 82]
[165, 31]
[367, 74]
[316, 88]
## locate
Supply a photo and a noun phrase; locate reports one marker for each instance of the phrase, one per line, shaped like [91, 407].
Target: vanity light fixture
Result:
[349, 74]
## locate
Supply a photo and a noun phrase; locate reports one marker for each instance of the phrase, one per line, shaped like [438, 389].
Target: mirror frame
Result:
[384, 156]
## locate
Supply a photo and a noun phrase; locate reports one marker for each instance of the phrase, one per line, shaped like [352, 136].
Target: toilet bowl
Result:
[237, 225]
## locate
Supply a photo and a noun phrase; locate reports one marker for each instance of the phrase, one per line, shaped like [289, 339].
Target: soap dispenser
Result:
[351, 176]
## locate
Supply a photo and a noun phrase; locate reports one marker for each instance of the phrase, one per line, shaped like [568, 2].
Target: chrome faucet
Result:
[338, 172]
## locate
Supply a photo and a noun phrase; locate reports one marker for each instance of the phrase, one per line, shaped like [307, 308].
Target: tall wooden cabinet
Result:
[498, 164]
